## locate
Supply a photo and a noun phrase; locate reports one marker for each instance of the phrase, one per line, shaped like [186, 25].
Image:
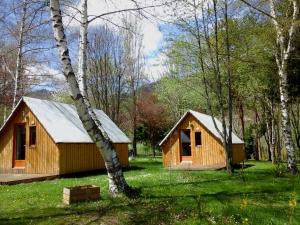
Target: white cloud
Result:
[155, 67]
[44, 71]
[152, 36]
[150, 30]
[43, 76]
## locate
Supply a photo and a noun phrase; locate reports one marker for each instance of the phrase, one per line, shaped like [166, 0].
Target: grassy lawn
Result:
[176, 197]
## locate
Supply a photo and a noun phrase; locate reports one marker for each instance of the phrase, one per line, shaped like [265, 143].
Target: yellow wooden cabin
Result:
[47, 137]
[194, 143]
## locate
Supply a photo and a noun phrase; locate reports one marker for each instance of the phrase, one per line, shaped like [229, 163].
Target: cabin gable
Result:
[209, 150]
[40, 158]
[27, 147]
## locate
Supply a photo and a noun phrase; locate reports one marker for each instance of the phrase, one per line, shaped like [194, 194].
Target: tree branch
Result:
[123, 10]
[258, 9]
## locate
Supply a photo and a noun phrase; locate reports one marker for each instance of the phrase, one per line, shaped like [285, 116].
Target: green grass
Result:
[167, 197]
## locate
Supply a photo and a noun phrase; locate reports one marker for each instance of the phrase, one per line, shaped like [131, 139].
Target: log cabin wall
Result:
[122, 152]
[79, 157]
[41, 158]
[238, 153]
[210, 152]
[6, 149]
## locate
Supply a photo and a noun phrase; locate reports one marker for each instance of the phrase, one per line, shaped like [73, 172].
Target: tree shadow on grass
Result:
[98, 172]
[133, 168]
[130, 213]
[149, 209]
[241, 166]
[56, 214]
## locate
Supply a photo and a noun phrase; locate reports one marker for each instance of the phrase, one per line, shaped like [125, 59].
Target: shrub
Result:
[279, 169]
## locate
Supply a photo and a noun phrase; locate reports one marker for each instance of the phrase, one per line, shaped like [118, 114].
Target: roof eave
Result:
[11, 115]
[174, 127]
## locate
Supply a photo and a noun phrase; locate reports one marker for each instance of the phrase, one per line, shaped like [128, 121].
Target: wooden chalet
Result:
[194, 143]
[47, 137]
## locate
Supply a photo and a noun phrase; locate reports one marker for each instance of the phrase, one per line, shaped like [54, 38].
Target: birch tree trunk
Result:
[117, 182]
[82, 57]
[19, 55]
[285, 44]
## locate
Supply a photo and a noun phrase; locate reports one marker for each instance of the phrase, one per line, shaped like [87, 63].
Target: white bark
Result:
[117, 181]
[82, 56]
[285, 44]
[18, 72]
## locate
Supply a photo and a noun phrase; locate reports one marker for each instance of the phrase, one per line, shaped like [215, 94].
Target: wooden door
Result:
[19, 145]
[185, 145]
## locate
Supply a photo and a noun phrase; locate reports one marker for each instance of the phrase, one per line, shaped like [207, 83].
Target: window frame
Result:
[196, 143]
[31, 144]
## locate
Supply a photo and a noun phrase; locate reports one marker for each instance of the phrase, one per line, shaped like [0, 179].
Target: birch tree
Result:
[25, 30]
[286, 25]
[83, 43]
[285, 45]
[117, 182]
[18, 71]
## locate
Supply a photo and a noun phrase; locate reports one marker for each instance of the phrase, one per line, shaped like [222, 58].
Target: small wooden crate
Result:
[81, 193]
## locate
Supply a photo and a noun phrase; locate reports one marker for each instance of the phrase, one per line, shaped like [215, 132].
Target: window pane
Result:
[20, 142]
[32, 135]
[185, 143]
[198, 140]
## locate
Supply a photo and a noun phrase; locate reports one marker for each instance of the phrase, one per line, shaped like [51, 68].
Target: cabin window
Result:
[185, 136]
[198, 140]
[32, 135]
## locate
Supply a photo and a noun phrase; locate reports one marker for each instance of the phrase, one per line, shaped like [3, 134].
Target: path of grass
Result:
[176, 197]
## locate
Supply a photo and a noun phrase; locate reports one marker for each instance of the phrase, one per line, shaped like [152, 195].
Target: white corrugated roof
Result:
[62, 122]
[207, 121]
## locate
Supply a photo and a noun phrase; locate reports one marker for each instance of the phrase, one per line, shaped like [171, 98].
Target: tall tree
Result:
[286, 24]
[18, 72]
[134, 61]
[153, 120]
[285, 44]
[83, 45]
[207, 25]
[106, 71]
[117, 182]
[25, 27]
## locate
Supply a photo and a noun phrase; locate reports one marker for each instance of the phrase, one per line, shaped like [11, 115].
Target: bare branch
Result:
[257, 9]
[122, 10]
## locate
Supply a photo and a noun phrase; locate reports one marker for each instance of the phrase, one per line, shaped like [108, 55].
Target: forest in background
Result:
[220, 59]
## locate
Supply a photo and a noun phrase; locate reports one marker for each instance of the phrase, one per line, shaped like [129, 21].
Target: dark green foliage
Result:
[142, 133]
[279, 169]
[249, 142]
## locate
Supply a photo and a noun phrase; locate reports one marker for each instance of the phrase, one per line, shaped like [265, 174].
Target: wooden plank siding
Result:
[122, 152]
[238, 153]
[79, 157]
[211, 152]
[47, 157]
[40, 159]
[6, 150]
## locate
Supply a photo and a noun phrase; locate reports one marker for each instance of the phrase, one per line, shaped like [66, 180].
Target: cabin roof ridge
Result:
[207, 121]
[63, 124]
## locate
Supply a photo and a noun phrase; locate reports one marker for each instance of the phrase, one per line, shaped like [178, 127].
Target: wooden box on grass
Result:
[81, 193]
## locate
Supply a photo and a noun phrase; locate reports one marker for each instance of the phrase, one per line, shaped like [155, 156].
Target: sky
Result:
[46, 63]
[150, 29]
